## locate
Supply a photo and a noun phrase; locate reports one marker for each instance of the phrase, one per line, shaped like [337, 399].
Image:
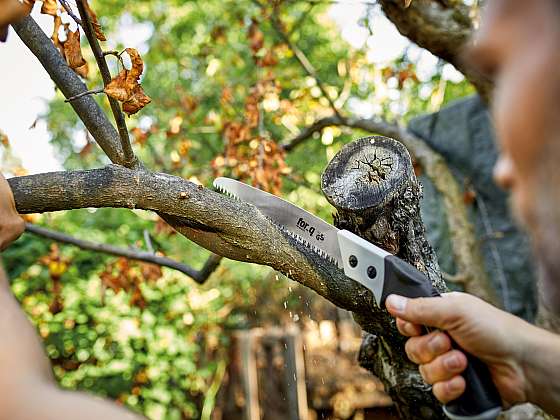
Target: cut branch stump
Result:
[371, 184]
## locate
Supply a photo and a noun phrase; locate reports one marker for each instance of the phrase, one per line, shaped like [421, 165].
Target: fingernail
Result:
[452, 362]
[436, 344]
[397, 303]
[454, 384]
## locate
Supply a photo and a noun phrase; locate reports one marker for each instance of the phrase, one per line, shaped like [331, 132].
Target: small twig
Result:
[130, 159]
[148, 241]
[87, 92]
[68, 9]
[134, 254]
[112, 52]
[308, 131]
[297, 24]
[303, 61]
[458, 278]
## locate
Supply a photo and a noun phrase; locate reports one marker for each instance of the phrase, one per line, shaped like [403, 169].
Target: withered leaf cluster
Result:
[125, 87]
[49, 7]
[251, 154]
[71, 49]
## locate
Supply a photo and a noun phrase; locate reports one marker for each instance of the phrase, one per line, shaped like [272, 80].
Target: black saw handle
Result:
[481, 400]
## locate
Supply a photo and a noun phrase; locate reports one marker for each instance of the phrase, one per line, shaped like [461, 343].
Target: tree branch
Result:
[464, 242]
[70, 85]
[129, 158]
[443, 28]
[220, 224]
[131, 253]
[69, 10]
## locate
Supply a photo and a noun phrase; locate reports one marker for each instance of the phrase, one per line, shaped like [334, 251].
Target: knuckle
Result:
[438, 343]
[440, 392]
[449, 390]
[407, 328]
[417, 307]
[427, 374]
[412, 350]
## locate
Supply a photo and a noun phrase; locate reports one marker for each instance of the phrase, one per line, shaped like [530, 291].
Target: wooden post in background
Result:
[246, 344]
[295, 375]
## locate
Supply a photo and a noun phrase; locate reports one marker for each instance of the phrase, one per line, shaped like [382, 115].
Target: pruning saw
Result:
[379, 271]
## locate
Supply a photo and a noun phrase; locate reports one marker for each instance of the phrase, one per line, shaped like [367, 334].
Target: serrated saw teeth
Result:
[223, 190]
[308, 245]
[320, 237]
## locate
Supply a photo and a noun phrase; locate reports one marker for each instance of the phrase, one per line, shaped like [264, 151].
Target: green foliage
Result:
[160, 349]
[160, 359]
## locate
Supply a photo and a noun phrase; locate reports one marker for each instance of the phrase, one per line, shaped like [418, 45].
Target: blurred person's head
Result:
[519, 44]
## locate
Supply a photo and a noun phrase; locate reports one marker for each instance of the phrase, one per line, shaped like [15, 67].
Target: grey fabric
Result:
[462, 132]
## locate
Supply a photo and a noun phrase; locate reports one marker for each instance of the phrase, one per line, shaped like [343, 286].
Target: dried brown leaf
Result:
[137, 101]
[73, 50]
[83, 71]
[49, 7]
[125, 87]
[117, 87]
[55, 38]
[95, 23]
[256, 37]
[407, 3]
[137, 64]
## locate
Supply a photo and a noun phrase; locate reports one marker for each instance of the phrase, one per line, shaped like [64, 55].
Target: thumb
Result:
[432, 312]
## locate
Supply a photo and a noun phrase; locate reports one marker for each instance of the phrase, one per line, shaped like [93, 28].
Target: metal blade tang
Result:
[298, 223]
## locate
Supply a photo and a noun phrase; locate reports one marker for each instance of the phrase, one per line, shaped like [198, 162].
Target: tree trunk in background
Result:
[372, 185]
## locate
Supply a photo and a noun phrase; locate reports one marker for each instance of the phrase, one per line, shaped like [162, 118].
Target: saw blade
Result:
[301, 225]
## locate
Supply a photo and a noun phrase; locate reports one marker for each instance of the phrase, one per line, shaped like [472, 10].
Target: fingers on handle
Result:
[444, 367]
[408, 329]
[433, 312]
[425, 348]
[449, 390]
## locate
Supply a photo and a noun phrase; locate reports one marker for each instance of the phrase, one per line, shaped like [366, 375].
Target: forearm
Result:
[44, 400]
[541, 364]
[27, 388]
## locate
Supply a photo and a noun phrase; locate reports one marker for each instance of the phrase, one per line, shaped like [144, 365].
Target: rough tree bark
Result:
[443, 27]
[372, 185]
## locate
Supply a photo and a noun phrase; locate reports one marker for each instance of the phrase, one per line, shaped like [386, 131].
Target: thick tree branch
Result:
[131, 253]
[225, 226]
[465, 245]
[442, 27]
[70, 85]
[129, 158]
